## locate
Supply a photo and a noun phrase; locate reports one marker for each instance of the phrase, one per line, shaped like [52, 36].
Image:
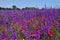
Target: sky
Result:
[30, 3]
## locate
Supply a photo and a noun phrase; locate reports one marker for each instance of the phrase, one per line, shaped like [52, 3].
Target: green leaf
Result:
[55, 31]
[58, 38]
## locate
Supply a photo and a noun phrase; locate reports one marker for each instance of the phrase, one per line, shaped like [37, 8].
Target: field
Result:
[30, 24]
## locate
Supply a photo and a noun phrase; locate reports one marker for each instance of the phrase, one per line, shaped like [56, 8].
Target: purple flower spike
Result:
[13, 36]
[29, 38]
[26, 34]
[57, 25]
[12, 39]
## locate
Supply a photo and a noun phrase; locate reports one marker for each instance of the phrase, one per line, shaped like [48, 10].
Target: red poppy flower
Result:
[33, 19]
[23, 31]
[52, 27]
[31, 33]
[2, 26]
[35, 28]
[50, 33]
[28, 21]
[4, 38]
[20, 27]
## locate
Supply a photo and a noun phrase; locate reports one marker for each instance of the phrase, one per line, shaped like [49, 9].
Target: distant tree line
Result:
[26, 8]
[31, 8]
[13, 7]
